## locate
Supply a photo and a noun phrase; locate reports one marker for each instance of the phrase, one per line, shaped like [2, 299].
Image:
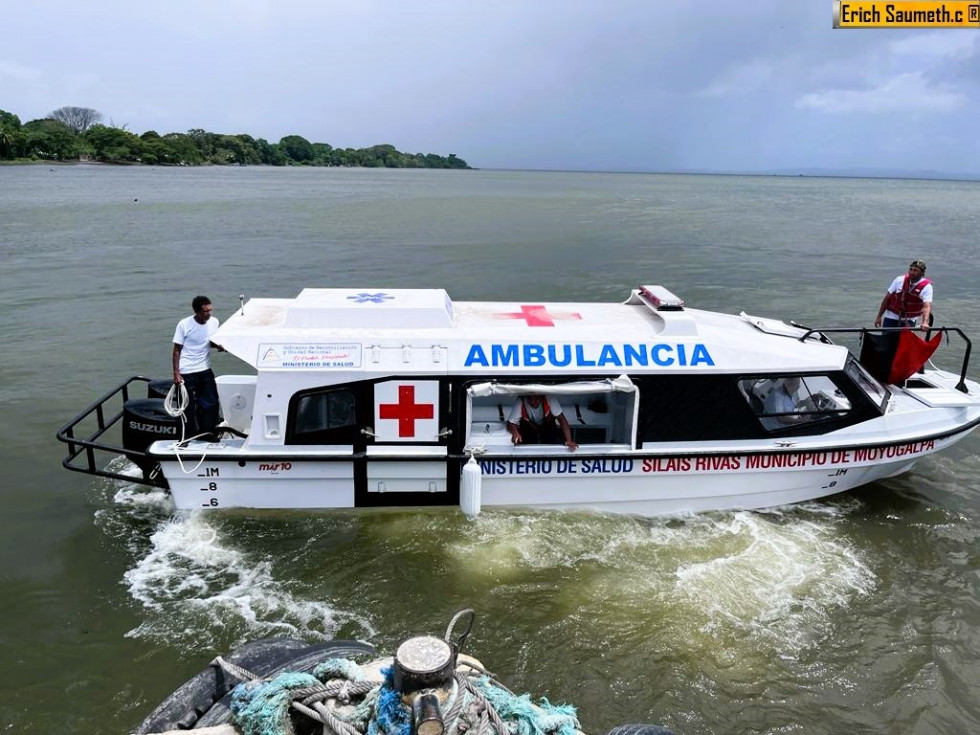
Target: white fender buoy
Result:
[469, 488]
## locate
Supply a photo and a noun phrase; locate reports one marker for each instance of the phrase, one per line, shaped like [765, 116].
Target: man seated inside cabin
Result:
[536, 419]
[782, 401]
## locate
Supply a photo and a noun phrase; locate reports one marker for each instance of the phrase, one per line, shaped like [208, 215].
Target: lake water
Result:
[859, 614]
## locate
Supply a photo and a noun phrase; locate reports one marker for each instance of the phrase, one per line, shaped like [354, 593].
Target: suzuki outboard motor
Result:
[145, 421]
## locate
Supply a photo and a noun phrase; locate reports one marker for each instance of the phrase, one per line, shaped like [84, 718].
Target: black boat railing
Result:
[863, 331]
[92, 447]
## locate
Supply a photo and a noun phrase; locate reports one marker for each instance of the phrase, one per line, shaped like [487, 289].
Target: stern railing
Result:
[92, 446]
[961, 386]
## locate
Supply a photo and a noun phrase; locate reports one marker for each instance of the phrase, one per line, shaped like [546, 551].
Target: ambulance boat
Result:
[366, 398]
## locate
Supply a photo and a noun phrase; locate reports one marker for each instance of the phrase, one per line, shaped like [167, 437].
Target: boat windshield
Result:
[871, 387]
[787, 401]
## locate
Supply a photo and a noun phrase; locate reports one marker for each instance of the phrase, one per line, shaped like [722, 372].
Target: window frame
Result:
[858, 375]
[575, 397]
[331, 434]
[749, 388]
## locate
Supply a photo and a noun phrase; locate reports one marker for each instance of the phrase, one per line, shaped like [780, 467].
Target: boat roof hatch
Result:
[344, 308]
[773, 326]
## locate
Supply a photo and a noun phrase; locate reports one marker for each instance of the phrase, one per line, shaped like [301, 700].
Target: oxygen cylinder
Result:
[469, 488]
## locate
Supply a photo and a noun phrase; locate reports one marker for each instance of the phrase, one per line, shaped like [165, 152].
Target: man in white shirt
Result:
[534, 419]
[192, 367]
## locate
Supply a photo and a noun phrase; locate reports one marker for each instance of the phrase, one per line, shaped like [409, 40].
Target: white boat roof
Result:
[341, 321]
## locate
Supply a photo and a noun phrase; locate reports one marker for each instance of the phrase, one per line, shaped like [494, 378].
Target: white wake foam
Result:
[723, 585]
[194, 586]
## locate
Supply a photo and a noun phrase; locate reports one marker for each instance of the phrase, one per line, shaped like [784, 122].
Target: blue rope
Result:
[262, 707]
[391, 716]
[524, 717]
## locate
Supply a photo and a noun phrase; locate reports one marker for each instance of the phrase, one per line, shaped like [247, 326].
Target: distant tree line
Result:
[78, 134]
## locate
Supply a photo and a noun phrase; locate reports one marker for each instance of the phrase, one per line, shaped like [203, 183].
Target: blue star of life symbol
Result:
[372, 298]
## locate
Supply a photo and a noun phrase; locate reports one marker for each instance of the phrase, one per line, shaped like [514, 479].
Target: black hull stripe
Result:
[644, 454]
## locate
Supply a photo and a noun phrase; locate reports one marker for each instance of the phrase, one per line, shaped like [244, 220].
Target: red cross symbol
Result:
[538, 316]
[406, 410]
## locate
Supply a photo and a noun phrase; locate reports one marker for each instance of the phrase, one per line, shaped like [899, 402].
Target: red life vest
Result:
[544, 405]
[907, 303]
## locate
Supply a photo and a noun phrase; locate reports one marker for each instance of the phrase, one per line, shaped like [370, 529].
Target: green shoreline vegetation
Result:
[76, 134]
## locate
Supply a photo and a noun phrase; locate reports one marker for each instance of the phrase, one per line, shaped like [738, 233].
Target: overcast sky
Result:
[649, 85]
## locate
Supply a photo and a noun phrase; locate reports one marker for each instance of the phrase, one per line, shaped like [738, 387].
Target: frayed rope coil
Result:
[340, 696]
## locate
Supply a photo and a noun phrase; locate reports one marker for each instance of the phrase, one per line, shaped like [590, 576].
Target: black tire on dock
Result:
[201, 701]
[220, 712]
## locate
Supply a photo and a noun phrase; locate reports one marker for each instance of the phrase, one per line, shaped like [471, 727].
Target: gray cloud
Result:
[627, 84]
[909, 92]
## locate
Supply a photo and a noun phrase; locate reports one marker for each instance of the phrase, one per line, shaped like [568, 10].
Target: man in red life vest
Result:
[535, 419]
[908, 301]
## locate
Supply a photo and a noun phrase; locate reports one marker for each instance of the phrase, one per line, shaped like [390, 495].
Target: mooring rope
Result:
[477, 704]
[233, 669]
[176, 401]
[175, 404]
[479, 707]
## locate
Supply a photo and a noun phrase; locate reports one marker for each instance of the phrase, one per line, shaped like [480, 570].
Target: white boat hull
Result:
[632, 484]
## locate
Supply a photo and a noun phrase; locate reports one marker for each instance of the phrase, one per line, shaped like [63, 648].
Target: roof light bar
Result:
[661, 298]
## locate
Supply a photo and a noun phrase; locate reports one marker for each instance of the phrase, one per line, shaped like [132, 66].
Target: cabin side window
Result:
[323, 417]
[788, 401]
[593, 417]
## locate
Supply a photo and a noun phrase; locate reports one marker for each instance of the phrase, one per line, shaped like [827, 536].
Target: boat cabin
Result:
[412, 368]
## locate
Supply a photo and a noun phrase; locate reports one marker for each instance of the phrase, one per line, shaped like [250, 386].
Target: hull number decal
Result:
[210, 499]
